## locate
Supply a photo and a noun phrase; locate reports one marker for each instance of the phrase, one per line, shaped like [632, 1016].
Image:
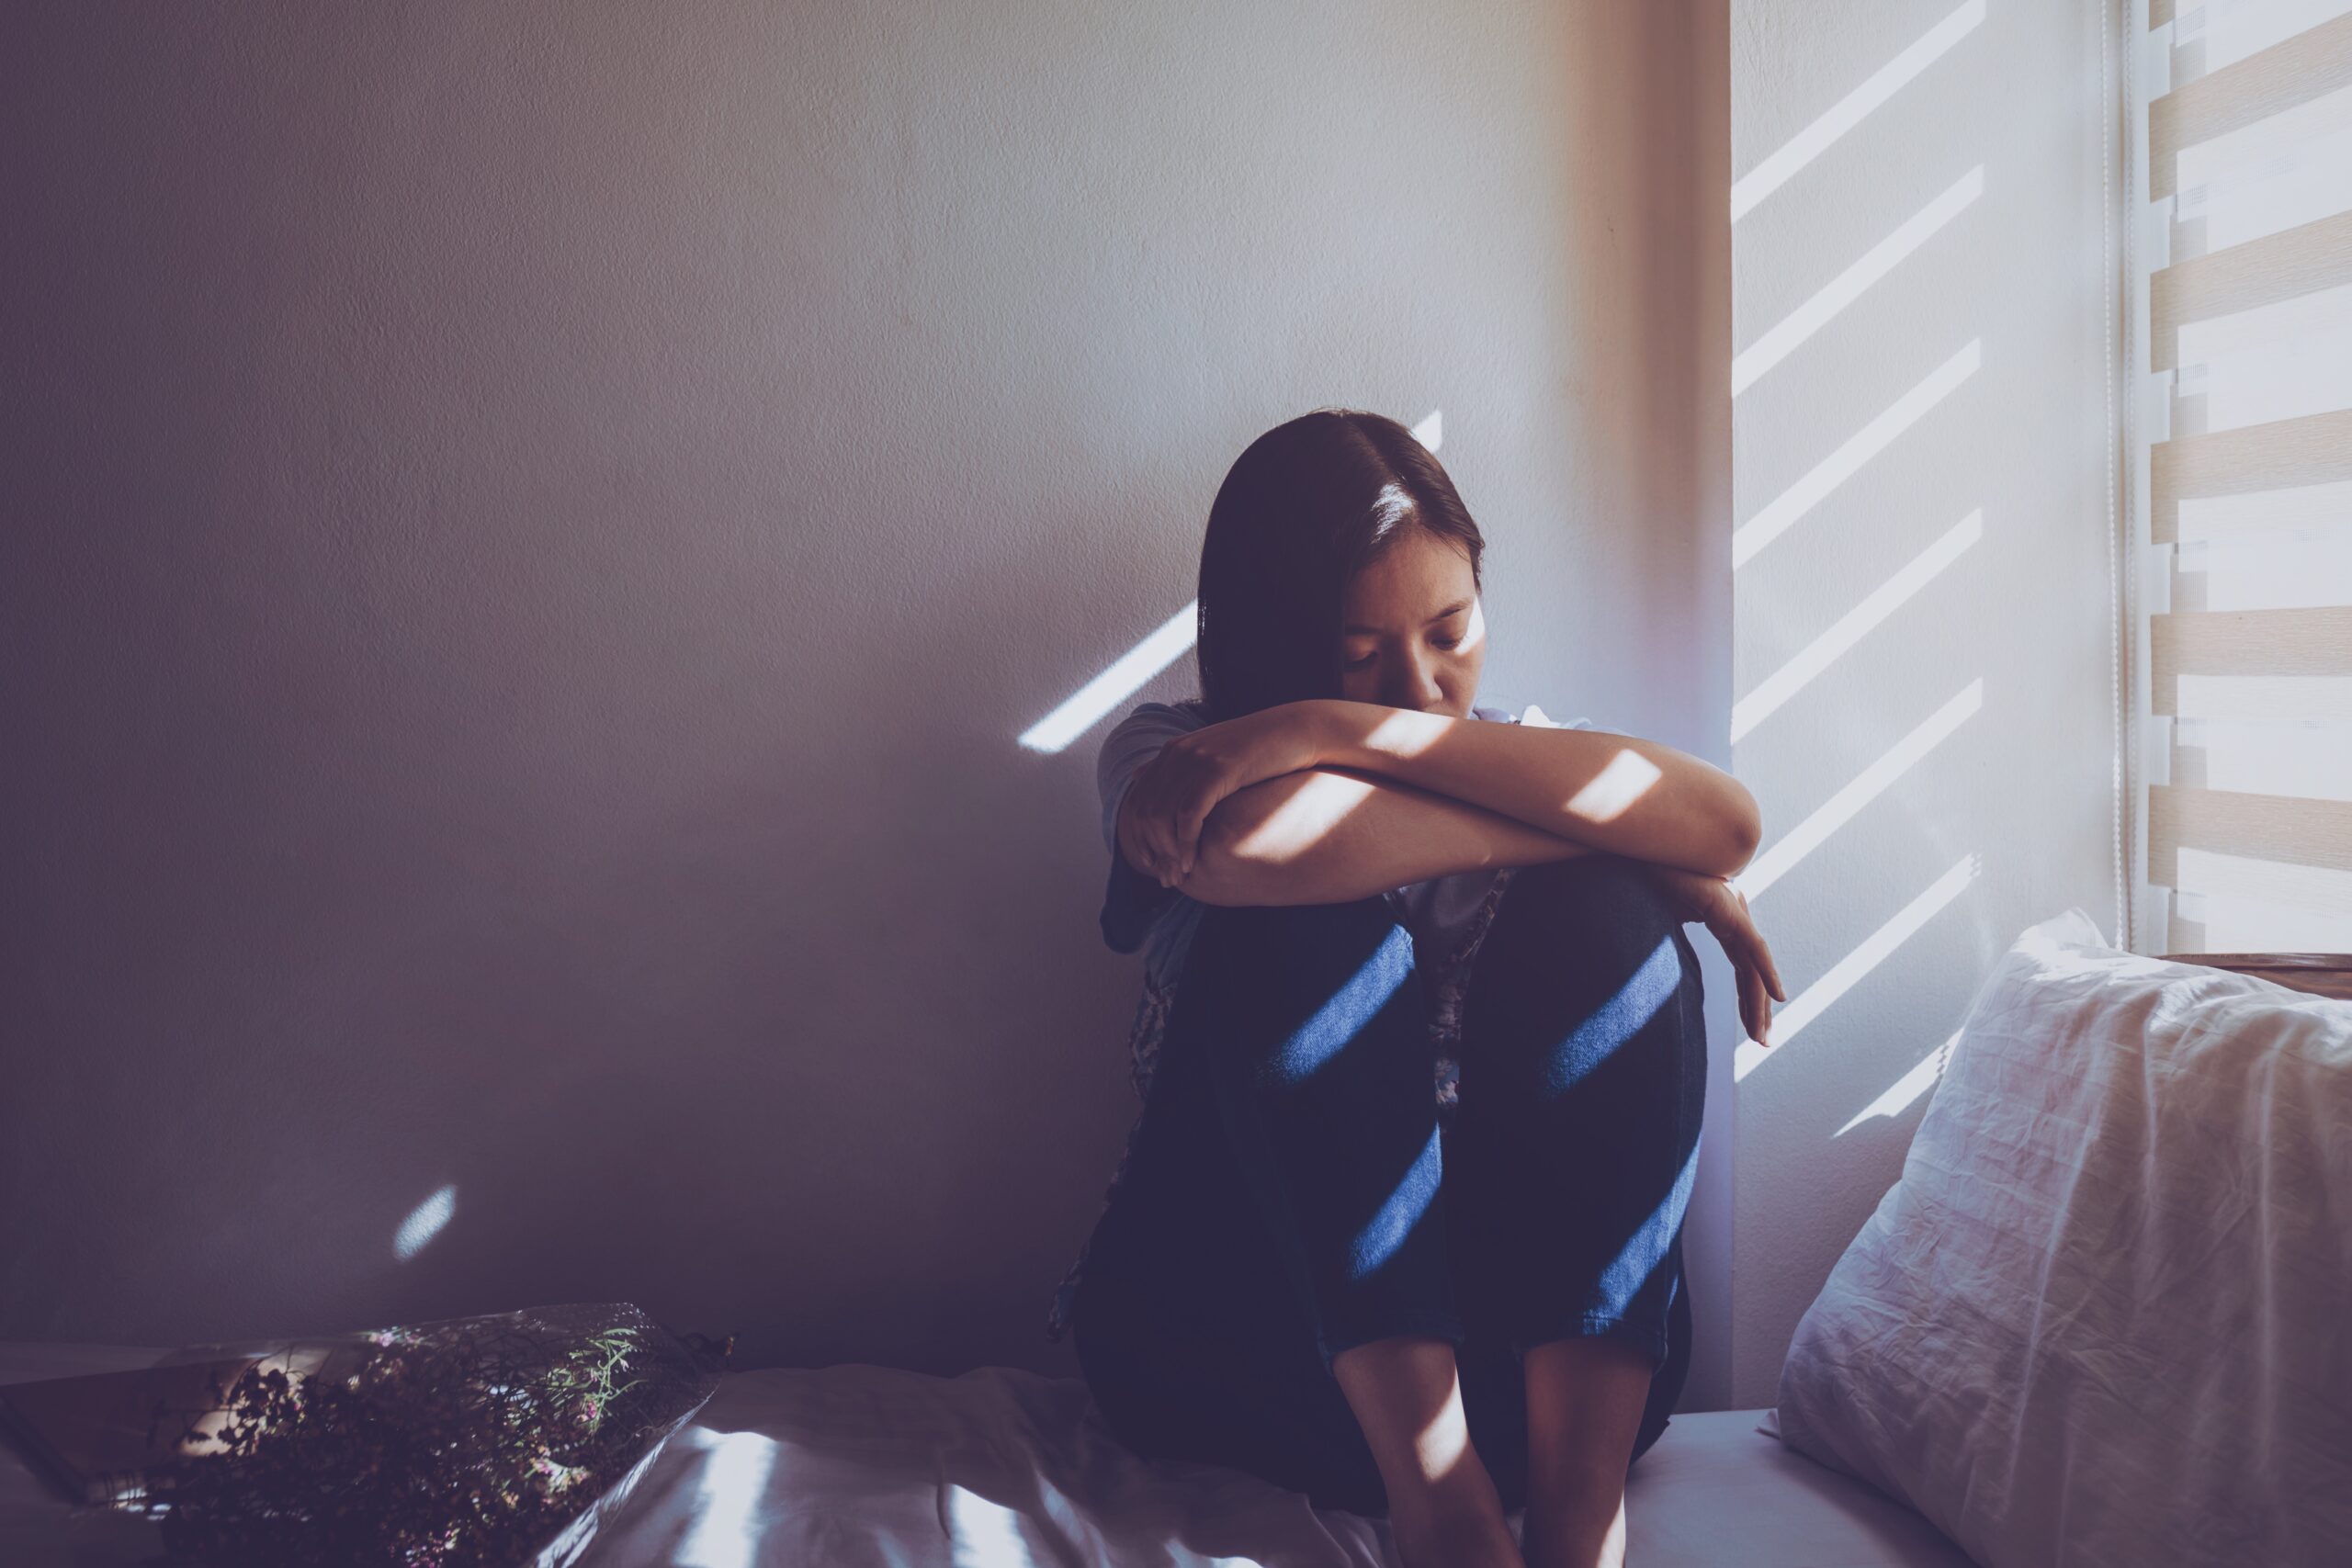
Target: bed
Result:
[859, 1464]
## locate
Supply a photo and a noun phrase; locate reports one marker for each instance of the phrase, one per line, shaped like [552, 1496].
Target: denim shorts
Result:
[1294, 1190]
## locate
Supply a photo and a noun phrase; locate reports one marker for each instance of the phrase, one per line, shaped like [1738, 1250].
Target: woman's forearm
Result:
[1322, 837]
[1617, 794]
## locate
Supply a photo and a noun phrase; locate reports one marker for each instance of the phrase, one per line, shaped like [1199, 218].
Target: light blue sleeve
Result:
[1544, 721]
[1133, 741]
[1133, 904]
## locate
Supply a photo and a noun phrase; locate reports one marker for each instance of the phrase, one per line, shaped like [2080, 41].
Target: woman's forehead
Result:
[1372, 619]
[1413, 579]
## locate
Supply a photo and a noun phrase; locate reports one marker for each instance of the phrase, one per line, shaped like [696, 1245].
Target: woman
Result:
[1314, 851]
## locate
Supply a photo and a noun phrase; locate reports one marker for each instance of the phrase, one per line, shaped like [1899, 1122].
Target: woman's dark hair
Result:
[1304, 508]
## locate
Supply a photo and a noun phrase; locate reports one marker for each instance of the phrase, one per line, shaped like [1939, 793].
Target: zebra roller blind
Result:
[2241, 264]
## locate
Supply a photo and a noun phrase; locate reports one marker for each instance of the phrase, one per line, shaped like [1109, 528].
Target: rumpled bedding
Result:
[859, 1466]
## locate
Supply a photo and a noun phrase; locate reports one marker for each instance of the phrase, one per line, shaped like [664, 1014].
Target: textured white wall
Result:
[536, 529]
[2016, 793]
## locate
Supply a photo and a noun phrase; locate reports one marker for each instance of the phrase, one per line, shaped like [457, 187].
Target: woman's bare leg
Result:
[1585, 1399]
[1443, 1505]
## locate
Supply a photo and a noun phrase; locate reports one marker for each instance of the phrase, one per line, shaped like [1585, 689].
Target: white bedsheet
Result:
[861, 1465]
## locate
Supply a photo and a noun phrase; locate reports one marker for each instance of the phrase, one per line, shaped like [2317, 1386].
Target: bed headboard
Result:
[2322, 973]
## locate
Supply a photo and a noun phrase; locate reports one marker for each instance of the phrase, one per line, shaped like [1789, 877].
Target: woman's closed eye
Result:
[1366, 661]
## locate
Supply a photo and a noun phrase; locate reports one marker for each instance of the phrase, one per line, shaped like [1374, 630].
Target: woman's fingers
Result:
[1146, 841]
[1159, 828]
[1768, 982]
[1163, 850]
[1171, 802]
[1745, 948]
[1194, 800]
[1771, 970]
[1755, 1011]
[1763, 954]
[1151, 830]
[1195, 822]
[1187, 839]
[1137, 845]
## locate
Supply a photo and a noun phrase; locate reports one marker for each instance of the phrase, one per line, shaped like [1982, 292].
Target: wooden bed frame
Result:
[2322, 973]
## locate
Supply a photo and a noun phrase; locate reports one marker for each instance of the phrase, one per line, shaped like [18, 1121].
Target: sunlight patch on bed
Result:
[981, 1532]
[734, 1479]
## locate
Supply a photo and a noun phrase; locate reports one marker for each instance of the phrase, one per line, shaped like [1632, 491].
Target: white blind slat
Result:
[2276, 569]
[2257, 757]
[2283, 699]
[2301, 507]
[2244, 914]
[2268, 176]
[2264, 385]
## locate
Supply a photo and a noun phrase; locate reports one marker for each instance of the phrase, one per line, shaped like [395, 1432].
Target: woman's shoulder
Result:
[1145, 727]
[1189, 713]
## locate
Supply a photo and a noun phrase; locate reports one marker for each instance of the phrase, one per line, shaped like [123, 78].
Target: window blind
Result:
[2241, 263]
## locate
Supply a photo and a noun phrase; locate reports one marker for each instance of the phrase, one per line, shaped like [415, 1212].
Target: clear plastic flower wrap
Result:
[505, 1439]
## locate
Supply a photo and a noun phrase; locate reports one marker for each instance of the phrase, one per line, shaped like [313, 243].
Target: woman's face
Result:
[1413, 635]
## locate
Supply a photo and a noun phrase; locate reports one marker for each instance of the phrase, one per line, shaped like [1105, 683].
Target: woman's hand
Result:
[1173, 794]
[1722, 908]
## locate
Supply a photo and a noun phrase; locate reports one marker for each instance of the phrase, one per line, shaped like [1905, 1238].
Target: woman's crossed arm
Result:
[1332, 835]
[1305, 826]
[1614, 794]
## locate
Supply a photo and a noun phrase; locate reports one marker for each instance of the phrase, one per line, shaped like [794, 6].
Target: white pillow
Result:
[2102, 1317]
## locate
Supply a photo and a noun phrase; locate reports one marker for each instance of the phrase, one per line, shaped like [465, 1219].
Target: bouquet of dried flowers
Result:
[471, 1442]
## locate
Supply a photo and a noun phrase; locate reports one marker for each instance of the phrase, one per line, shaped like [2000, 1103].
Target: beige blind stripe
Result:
[2316, 61]
[2159, 13]
[2261, 272]
[2281, 828]
[2314, 449]
[2243, 642]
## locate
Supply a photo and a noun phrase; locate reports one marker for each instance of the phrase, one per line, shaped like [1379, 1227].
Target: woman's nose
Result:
[1414, 688]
